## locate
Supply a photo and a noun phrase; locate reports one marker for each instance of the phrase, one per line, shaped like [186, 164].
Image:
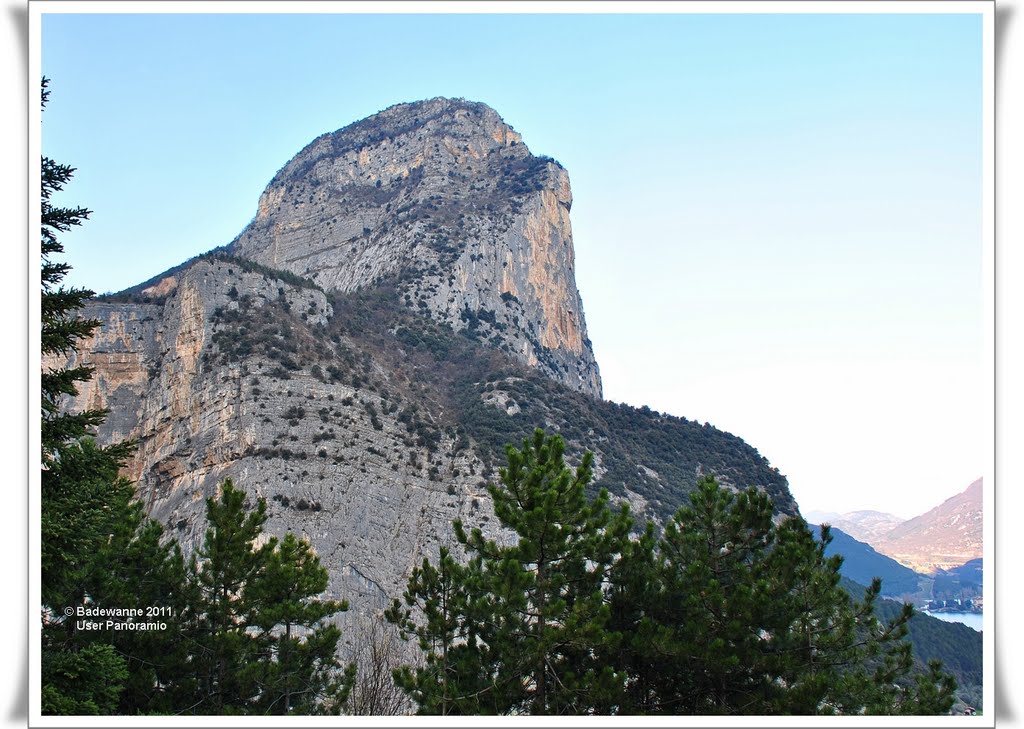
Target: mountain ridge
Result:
[865, 525]
[946, 536]
[862, 563]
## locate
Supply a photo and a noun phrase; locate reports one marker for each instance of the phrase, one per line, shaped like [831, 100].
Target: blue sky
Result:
[777, 218]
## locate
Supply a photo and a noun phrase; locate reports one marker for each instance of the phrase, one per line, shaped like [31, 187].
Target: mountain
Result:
[945, 537]
[960, 583]
[865, 526]
[861, 563]
[443, 196]
[969, 573]
[401, 307]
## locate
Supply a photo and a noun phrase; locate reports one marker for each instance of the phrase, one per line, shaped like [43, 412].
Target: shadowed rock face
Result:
[443, 197]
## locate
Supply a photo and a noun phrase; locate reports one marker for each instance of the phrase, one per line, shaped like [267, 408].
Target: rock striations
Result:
[402, 305]
[444, 197]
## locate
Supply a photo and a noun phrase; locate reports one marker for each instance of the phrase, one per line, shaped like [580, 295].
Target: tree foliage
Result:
[261, 643]
[748, 616]
[516, 629]
[727, 611]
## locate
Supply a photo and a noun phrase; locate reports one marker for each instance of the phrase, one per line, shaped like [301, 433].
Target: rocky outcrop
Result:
[229, 373]
[443, 197]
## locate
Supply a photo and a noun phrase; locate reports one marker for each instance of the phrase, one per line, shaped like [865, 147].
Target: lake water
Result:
[971, 620]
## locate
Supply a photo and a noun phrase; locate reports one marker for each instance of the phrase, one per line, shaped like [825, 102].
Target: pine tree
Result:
[633, 592]
[146, 571]
[83, 500]
[259, 640]
[742, 615]
[304, 676]
[228, 561]
[441, 613]
[520, 628]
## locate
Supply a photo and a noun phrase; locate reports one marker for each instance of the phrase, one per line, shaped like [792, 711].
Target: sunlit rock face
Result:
[443, 197]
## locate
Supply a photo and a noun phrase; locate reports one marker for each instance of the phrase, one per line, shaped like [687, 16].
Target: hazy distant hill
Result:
[865, 526]
[861, 563]
[945, 537]
[959, 583]
[970, 573]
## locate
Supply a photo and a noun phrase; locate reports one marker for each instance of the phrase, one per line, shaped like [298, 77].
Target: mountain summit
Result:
[443, 198]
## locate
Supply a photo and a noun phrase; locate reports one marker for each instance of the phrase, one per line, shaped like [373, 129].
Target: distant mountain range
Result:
[865, 526]
[946, 537]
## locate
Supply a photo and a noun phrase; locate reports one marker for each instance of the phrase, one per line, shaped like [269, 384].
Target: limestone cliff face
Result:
[230, 373]
[443, 197]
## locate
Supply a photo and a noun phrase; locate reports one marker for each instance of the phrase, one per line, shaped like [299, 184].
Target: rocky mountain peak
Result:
[442, 199]
[315, 362]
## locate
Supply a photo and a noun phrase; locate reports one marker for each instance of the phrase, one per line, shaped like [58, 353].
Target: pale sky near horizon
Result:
[777, 218]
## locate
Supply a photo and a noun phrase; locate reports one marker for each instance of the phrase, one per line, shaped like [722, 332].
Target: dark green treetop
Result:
[262, 645]
[743, 615]
[517, 629]
[731, 610]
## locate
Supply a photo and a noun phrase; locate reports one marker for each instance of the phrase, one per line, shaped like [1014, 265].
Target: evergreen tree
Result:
[452, 678]
[146, 571]
[633, 591]
[728, 612]
[520, 627]
[223, 568]
[84, 502]
[84, 681]
[745, 616]
[259, 641]
[304, 675]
